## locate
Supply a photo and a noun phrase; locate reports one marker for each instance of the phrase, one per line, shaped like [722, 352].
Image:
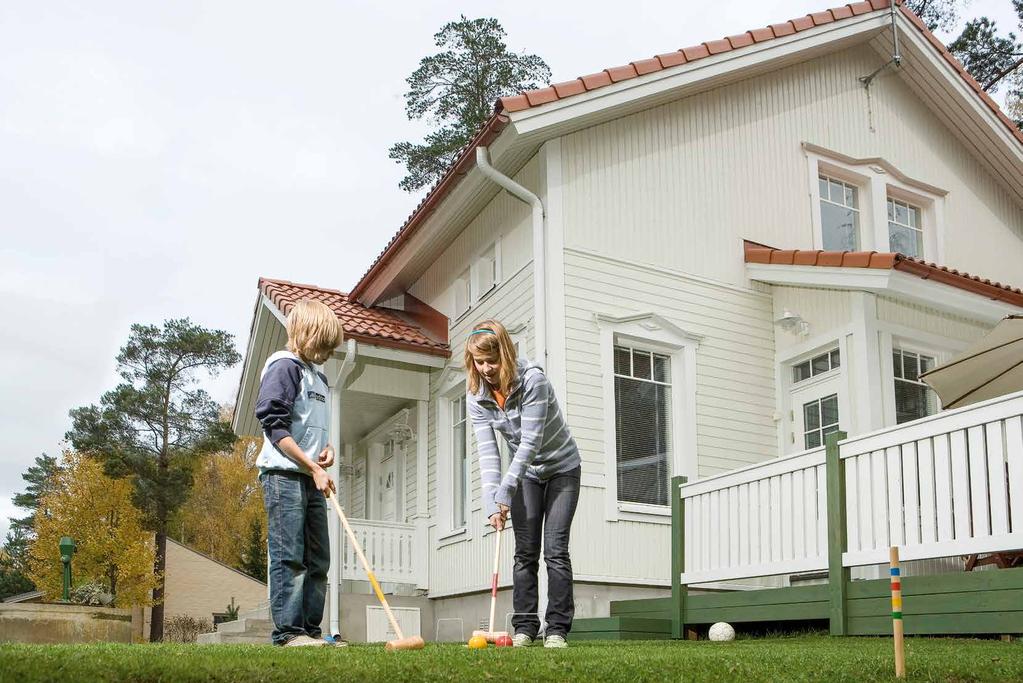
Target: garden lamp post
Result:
[67, 549]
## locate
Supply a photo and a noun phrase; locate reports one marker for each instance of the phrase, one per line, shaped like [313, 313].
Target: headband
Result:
[482, 331]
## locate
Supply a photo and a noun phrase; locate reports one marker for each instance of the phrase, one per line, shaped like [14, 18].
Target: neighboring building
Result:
[715, 286]
[198, 586]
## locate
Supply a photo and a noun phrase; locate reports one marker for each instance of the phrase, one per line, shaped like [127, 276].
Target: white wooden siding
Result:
[411, 472]
[929, 320]
[734, 367]
[361, 470]
[505, 217]
[825, 310]
[679, 185]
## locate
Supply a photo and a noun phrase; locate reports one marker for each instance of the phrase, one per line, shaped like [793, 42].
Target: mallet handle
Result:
[493, 582]
[897, 626]
[366, 568]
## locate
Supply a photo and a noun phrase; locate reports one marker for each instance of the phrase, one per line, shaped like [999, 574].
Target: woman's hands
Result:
[498, 519]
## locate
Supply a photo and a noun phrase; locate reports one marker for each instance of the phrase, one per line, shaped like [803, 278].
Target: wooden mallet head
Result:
[410, 643]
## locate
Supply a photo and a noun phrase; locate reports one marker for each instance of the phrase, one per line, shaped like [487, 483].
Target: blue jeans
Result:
[299, 547]
[544, 509]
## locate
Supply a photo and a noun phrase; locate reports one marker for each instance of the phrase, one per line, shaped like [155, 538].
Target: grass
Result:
[800, 658]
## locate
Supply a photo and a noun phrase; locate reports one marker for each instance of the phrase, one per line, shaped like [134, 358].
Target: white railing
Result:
[950, 484]
[394, 551]
[762, 520]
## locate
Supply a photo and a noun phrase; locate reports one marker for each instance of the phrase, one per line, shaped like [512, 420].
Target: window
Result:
[840, 215]
[820, 418]
[905, 234]
[462, 294]
[817, 365]
[643, 425]
[913, 398]
[486, 273]
[460, 464]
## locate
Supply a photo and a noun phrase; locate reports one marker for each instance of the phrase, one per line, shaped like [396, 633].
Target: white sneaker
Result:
[522, 640]
[305, 641]
[555, 641]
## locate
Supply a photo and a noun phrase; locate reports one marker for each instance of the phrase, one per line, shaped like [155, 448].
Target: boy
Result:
[292, 407]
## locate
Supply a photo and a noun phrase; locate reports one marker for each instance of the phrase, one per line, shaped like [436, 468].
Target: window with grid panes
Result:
[460, 462]
[817, 365]
[913, 398]
[820, 418]
[905, 234]
[642, 425]
[840, 214]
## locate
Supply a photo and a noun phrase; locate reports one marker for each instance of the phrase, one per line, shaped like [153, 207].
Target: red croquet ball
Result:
[503, 641]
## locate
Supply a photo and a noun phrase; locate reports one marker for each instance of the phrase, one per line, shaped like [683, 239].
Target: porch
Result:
[948, 487]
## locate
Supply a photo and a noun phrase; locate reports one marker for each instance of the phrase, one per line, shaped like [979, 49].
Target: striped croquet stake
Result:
[897, 629]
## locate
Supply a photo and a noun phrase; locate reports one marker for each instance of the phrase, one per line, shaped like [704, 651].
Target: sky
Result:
[156, 159]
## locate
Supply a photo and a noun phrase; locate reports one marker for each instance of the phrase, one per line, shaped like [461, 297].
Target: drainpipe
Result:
[539, 247]
[334, 572]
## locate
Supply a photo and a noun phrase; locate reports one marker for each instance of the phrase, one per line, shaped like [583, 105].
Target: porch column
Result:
[421, 519]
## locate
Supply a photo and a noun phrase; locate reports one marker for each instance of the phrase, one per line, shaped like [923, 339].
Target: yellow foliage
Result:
[96, 511]
[225, 500]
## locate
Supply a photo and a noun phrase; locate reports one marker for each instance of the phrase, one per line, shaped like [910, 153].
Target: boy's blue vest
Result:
[310, 419]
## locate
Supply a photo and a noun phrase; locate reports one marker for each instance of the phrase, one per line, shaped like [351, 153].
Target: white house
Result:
[699, 247]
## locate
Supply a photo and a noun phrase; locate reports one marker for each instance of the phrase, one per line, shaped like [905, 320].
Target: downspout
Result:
[334, 572]
[539, 247]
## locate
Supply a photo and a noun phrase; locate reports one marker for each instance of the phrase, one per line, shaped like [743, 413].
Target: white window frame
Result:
[451, 387]
[468, 281]
[857, 183]
[895, 336]
[649, 332]
[876, 180]
[787, 386]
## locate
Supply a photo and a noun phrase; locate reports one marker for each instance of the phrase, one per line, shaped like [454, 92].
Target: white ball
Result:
[722, 632]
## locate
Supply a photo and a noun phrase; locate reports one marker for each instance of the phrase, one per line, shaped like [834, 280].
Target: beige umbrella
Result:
[992, 367]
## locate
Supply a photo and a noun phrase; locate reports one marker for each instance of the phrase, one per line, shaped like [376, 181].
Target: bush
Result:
[93, 593]
[182, 628]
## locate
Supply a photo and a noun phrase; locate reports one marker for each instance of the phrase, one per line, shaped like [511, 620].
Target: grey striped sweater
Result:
[533, 427]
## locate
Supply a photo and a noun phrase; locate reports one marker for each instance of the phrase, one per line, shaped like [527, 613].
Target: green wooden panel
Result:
[640, 606]
[622, 624]
[797, 611]
[834, 470]
[767, 596]
[678, 560]
[941, 603]
[934, 624]
[960, 582]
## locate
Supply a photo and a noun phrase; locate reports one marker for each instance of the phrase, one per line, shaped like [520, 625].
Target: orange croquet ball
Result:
[477, 643]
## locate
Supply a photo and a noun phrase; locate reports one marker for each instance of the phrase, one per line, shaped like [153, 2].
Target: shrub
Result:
[182, 628]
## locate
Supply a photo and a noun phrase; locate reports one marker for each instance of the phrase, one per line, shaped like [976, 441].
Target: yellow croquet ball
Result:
[477, 643]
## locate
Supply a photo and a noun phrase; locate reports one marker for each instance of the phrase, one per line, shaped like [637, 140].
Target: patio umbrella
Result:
[992, 367]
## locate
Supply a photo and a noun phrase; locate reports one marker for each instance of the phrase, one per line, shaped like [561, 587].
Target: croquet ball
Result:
[721, 632]
[503, 641]
[477, 643]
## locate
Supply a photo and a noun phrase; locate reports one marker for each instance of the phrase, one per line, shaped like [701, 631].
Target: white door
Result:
[815, 414]
[384, 481]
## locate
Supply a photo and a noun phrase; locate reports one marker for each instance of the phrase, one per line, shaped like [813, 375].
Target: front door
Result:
[815, 414]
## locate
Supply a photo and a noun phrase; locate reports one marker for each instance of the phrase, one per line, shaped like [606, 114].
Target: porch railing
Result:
[396, 552]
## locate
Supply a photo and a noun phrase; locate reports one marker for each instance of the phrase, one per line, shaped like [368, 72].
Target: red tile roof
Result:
[377, 326]
[602, 79]
[559, 91]
[758, 253]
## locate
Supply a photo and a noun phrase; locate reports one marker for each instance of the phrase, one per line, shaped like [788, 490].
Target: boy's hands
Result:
[323, 481]
[326, 458]
[498, 519]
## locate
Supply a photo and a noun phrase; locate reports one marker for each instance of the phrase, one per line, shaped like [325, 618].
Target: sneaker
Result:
[555, 640]
[522, 640]
[305, 641]
[336, 641]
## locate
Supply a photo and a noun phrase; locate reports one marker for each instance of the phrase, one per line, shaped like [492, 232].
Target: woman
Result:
[541, 487]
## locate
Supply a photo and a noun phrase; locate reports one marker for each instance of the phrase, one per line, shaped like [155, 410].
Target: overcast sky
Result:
[157, 158]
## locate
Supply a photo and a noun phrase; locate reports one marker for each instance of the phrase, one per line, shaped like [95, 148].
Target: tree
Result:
[14, 558]
[13, 579]
[154, 425]
[992, 59]
[95, 510]
[456, 90]
[254, 554]
[225, 505]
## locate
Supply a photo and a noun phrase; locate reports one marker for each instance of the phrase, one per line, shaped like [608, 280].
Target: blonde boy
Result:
[293, 409]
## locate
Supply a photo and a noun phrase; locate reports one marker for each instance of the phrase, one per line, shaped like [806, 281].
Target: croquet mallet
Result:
[491, 635]
[401, 643]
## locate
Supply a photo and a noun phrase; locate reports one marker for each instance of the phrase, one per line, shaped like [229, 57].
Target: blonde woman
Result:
[512, 397]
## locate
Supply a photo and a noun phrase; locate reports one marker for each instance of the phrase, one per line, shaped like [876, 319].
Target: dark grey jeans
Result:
[299, 546]
[544, 509]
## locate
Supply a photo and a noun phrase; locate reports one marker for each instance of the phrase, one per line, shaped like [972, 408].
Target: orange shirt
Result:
[499, 397]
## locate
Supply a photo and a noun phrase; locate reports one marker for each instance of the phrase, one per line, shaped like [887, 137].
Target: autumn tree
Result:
[456, 89]
[225, 505]
[155, 424]
[97, 512]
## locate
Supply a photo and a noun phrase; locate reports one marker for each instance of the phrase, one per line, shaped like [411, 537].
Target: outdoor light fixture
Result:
[793, 322]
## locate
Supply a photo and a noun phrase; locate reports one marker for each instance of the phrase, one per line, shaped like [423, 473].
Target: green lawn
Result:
[801, 658]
